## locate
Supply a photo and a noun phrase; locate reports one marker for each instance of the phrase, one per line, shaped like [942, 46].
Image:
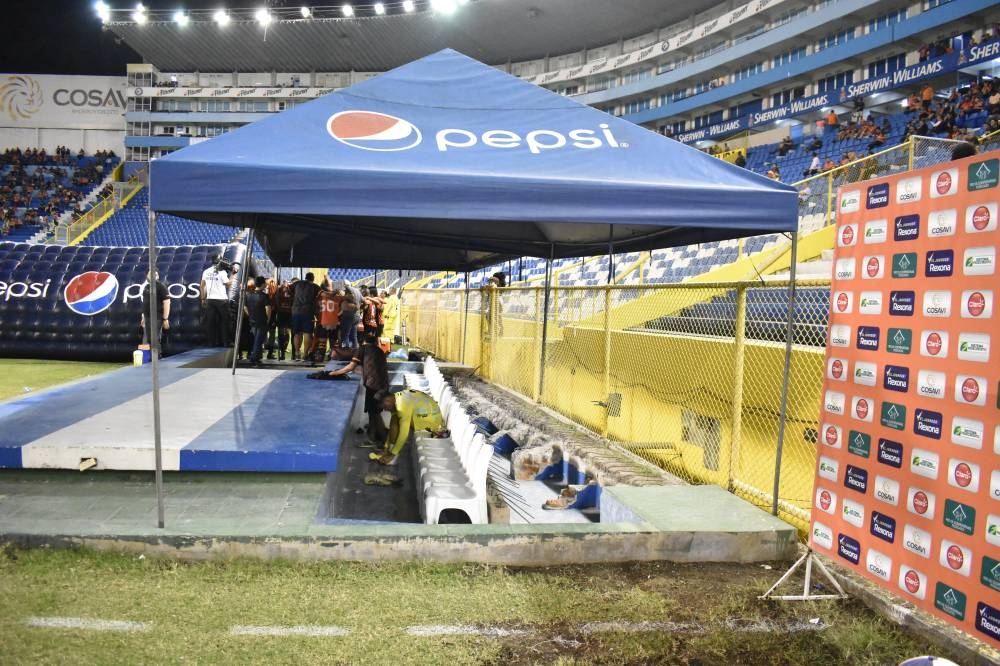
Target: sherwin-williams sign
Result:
[913, 499]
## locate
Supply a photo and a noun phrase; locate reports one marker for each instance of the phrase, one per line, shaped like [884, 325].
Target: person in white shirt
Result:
[813, 166]
[215, 283]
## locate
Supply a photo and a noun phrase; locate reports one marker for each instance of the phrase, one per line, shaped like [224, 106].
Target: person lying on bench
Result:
[411, 411]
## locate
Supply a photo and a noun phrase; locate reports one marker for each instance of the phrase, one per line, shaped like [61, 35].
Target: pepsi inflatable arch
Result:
[84, 303]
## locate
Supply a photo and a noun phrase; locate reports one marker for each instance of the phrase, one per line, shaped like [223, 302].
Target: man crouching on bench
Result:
[411, 410]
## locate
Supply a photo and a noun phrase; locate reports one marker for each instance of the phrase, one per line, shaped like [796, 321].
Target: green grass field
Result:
[16, 375]
[191, 608]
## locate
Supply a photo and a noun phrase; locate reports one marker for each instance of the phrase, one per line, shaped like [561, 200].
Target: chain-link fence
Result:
[686, 376]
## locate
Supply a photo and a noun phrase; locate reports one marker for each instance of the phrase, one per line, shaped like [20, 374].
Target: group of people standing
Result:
[316, 319]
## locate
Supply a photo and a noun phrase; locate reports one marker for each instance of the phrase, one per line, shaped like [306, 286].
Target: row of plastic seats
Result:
[452, 470]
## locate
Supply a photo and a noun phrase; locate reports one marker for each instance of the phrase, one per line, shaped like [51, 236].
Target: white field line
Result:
[298, 630]
[86, 624]
[463, 630]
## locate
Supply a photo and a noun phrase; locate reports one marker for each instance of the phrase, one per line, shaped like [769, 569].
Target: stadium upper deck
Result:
[725, 69]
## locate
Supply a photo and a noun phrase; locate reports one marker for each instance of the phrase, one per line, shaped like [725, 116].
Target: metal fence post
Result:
[786, 375]
[739, 357]
[537, 355]
[605, 399]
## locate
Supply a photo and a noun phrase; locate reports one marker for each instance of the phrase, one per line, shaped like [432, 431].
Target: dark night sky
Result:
[66, 37]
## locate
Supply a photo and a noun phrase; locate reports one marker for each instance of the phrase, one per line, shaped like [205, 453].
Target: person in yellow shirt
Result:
[411, 411]
[390, 314]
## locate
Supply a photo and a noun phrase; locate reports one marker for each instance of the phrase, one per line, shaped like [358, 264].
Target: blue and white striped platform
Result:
[261, 420]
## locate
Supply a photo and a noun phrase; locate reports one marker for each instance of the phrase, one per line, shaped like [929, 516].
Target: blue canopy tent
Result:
[449, 164]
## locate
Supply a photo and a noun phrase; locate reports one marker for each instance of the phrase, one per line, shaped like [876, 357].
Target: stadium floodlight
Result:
[379, 8]
[408, 6]
[103, 11]
[347, 11]
[306, 12]
[139, 15]
[221, 17]
[444, 6]
[180, 18]
[263, 16]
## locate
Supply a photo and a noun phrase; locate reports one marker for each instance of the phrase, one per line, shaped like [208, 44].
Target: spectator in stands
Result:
[926, 96]
[161, 328]
[257, 309]
[741, 160]
[832, 122]
[785, 145]
[774, 173]
[878, 141]
[412, 411]
[216, 280]
[390, 311]
[304, 294]
[375, 377]
[829, 165]
[814, 166]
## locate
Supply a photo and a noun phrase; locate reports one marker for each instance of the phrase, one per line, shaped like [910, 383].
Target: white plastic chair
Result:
[471, 500]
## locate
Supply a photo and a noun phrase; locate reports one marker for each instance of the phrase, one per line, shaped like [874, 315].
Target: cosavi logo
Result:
[908, 190]
[917, 541]
[21, 97]
[91, 293]
[380, 132]
[834, 402]
[931, 384]
[941, 223]
[878, 564]
[845, 268]
[840, 335]
[937, 304]
[887, 490]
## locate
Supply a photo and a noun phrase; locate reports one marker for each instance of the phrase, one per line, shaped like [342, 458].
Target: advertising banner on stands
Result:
[907, 488]
[946, 64]
[44, 101]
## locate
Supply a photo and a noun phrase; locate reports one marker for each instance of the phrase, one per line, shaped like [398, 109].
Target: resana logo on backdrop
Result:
[380, 132]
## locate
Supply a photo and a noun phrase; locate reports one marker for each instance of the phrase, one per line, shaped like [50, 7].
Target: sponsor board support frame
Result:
[789, 332]
[154, 351]
[808, 558]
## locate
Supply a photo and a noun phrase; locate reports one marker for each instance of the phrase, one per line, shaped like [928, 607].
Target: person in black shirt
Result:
[162, 325]
[375, 374]
[257, 308]
[304, 294]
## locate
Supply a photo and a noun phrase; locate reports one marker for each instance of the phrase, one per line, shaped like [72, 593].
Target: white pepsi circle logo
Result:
[91, 293]
[370, 130]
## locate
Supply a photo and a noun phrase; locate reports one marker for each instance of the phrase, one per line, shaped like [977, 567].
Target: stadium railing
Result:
[72, 233]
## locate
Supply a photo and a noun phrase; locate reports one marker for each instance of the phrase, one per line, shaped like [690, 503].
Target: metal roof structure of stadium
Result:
[492, 31]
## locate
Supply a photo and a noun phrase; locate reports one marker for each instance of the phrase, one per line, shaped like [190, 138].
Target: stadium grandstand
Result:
[701, 363]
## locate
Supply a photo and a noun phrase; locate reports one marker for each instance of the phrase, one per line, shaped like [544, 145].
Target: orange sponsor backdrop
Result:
[908, 460]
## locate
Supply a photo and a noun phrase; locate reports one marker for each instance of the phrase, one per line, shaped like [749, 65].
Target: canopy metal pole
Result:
[154, 352]
[611, 254]
[789, 329]
[243, 298]
[545, 319]
[465, 318]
